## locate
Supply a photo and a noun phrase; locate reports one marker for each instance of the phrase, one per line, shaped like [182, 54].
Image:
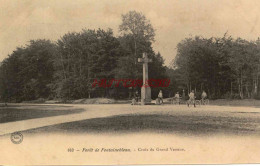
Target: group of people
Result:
[177, 97]
[192, 98]
[160, 97]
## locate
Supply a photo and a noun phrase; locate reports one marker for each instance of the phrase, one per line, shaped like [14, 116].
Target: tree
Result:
[136, 24]
[222, 66]
[137, 37]
[84, 57]
[74, 65]
[28, 72]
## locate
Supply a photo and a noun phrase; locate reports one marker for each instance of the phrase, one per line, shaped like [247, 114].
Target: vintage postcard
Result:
[116, 82]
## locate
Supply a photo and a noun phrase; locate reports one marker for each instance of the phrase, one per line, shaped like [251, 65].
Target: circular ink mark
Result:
[17, 138]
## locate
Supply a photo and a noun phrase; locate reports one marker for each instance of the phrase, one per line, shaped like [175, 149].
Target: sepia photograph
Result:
[116, 82]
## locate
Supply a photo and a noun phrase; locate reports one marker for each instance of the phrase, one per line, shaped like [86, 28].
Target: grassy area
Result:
[244, 102]
[159, 119]
[22, 112]
[220, 102]
[191, 123]
[228, 102]
[80, 101]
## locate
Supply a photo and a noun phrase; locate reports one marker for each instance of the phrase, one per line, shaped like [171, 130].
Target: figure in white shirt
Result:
[203, 97]
[160, 96]
[177, 98]
[192, 98]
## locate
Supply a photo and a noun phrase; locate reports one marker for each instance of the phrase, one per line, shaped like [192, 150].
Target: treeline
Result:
[65, 69]
[223, 67]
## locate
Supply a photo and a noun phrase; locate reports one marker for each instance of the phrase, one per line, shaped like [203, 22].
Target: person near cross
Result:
[136, 96]
[192, 98]
[177, 98]
[203, 97]
[160, 96]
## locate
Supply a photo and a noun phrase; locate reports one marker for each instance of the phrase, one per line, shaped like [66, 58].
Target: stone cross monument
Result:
[146, 90]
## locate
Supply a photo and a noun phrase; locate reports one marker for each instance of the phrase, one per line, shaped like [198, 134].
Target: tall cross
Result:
[146, 90]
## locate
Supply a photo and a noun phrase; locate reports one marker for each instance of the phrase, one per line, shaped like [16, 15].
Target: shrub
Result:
[257, 96]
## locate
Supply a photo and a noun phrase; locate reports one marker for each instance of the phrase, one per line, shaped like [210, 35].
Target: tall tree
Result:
[137, 37]
[84, 57]
[136, 24]
[28, 72]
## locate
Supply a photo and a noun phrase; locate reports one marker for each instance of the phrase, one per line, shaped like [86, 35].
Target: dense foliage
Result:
[66, 69]
[223, 67]
[28, 72]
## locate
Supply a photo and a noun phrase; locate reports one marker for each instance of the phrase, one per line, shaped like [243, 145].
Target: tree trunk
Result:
[80, 65]
[254, 87]
[63, 67]
[257, 80]
[247, 91]
[89, 86]
[241, 86]
[190, 87]
[135, 58]
[218, 90]
[208, 91]
[214, 83]
[239, 89]
[231, 94]
[135, 48]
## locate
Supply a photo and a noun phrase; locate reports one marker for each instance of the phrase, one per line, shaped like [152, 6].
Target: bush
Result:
[235, 96]
[227, 95]
[257, 96]
[198, 95]
[40, 100]
[213, 96]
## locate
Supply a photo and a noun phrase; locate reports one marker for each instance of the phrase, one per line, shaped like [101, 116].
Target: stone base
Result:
[145, 95]
[145, 102]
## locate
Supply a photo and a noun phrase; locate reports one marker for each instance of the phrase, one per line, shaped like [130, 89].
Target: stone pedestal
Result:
[145, 95]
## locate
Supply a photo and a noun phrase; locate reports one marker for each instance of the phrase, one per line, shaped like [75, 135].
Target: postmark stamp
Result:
[17, 137]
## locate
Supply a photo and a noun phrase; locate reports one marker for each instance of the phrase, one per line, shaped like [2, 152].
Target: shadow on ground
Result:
[19, 112]
[187, 125]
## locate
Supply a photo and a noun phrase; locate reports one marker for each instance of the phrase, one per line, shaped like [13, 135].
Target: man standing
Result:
[177, 98]
[192, 98]
[203, 97]
[160, 96]
[136, 96]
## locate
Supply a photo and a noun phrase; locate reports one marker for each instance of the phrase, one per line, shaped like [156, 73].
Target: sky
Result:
[174, 20]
